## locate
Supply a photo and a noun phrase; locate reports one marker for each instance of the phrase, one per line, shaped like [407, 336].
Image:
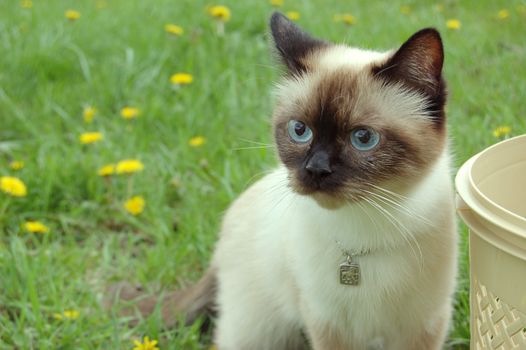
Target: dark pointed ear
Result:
[292, 44]
[418, 63]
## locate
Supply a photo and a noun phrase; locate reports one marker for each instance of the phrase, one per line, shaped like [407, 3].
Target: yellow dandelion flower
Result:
[405, 9]
[88, 113]
[276, 3]
[173, 29]
[35, 227]
[135, 205]
[71, 314]
[181, 79]
[90, 137]
[129, 166]
[503, 14]
[13, 186]
[107, 170]
[197, 141]
[72, 15]
[16, 165]
[27, 4]
[130, 112]
[502, 131]
[453, 24]
[67, 315]
[346, 18]
[293, 15]
[222, 13]
[146, 344]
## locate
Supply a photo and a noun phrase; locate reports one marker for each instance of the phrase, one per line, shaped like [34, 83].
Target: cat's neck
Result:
[385, 220]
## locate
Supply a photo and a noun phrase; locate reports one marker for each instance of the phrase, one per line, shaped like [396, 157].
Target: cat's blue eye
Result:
[299, 132]
[364, 139]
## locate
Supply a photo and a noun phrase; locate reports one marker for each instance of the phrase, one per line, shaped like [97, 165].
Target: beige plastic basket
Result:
[491, 200]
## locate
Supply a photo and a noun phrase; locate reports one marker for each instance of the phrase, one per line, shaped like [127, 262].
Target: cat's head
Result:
[348, 120]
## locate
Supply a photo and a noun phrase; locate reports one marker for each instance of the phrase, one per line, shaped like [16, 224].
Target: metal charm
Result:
[349, 272]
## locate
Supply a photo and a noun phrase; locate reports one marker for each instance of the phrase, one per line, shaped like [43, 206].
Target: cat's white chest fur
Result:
[278, 267]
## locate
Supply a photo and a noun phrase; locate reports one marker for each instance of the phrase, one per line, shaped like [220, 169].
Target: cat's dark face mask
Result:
[343, 130]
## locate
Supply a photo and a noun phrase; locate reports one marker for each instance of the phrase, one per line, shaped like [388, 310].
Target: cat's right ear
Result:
[292, 43]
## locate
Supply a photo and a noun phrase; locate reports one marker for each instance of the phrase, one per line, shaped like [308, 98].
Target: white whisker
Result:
[257, 142]
[402, 229]
[393, 203]
[251, 147]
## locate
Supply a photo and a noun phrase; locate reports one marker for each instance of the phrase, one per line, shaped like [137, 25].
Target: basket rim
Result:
[481, 204]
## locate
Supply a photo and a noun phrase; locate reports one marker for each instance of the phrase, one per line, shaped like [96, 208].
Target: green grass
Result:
[50, 68]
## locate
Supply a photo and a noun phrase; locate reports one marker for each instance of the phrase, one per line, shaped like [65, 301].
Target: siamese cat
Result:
[350, 243]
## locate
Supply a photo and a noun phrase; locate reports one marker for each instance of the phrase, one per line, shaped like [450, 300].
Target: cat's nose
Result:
[319, 164]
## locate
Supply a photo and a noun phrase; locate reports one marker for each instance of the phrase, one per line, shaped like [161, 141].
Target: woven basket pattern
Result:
[498, 326]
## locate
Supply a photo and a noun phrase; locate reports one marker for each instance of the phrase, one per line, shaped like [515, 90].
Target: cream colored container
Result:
[491, 200]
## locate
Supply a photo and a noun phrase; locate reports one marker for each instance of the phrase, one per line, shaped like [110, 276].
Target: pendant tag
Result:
[349, 272]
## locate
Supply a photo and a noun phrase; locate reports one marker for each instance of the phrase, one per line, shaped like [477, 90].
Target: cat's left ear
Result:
[292, 43]
[418, 63]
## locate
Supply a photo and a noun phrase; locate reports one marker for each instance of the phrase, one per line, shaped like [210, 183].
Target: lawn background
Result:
[117, 54]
